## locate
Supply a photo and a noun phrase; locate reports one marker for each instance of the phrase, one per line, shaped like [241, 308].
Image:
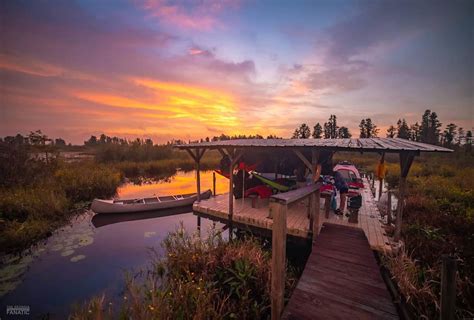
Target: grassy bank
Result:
[197, 278]
[438, 219]
[39, 193]
[166, 167]
[31, 211]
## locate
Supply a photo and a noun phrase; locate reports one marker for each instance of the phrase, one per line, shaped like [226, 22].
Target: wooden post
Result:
[380, 188]
[448, 288]
[197, 159]
[317, 212]
[406, 159]
[214, 183]
[327, 206]
[389, 207]
[231, 197]
[233, 160]
[199, 224]
[382, 160]
[278, 258]
[198, 177]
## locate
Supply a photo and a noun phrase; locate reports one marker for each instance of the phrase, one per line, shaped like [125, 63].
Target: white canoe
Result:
[146, 204]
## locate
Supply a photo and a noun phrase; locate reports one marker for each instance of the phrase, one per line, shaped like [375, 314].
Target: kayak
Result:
[146, 204]
[271, 183]
[350, 173]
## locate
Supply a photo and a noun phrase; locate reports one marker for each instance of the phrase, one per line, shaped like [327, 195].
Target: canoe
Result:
[146, 204]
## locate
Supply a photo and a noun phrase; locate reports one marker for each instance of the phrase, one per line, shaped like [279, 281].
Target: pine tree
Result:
[391, 132]
[303, 132]
[331, 128]
[415, 131]
[368, 129]
[429, 131]
[317, 131]
[362, 129]
[449, 134]
[403, 131]
[343, 132]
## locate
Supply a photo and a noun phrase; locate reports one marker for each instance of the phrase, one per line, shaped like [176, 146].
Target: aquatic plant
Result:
[197, 278]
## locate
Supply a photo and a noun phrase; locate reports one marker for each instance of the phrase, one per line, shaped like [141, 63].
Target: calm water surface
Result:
[90, 256]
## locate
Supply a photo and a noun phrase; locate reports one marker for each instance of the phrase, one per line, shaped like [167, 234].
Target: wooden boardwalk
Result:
[297, 220]
[341, 280]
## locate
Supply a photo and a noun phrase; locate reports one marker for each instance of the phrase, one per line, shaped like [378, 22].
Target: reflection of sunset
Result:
[181, 183]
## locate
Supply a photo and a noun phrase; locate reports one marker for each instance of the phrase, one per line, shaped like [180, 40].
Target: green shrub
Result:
[197, 279]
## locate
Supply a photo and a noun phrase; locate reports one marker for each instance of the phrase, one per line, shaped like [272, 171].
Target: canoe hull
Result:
[108, 206]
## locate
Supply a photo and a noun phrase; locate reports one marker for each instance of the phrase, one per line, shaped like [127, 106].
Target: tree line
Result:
[427, 131]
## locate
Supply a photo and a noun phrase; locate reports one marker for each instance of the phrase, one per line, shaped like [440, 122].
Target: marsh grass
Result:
[438, 219]
[32, 211]
[197, 278]
[166, 167]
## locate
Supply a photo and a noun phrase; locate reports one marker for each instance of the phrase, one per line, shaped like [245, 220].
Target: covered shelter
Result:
[235, 149]
[280, 219]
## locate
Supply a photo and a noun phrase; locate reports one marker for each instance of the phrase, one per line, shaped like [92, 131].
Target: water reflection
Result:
[89, 256]
[182, 182]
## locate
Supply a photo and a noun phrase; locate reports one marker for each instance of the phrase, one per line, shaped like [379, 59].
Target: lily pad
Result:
[149, 234]
[77, 258]
[67, 253]
[85, 241]
[57, 247]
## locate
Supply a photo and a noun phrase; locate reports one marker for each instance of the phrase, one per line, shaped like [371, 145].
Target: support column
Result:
[278, 269]
[317, 213]
[234, 157]
[380, 174]
[197, 159]
[406, 159]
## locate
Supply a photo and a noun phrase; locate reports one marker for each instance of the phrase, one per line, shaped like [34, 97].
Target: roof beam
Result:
[303, 158]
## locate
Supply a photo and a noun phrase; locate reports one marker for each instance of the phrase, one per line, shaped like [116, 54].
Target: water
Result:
[91, 255]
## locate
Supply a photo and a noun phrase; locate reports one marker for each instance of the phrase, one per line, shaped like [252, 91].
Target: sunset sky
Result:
[193, 69]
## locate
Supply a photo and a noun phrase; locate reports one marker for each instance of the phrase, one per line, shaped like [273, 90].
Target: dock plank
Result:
[341, 280]
[297, 219]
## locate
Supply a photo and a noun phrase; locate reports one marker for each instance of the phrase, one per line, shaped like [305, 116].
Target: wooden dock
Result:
[341, 280]
[298, 223]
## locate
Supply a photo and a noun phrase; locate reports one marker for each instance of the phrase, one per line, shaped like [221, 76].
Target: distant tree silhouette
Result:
[343, 132]
[331, 128]
[303, 132]
[367, 129]
[403, 131]
[317, 131]
[430, 132]
[391, 132]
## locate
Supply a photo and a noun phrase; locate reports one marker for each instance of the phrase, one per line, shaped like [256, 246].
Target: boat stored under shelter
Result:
[300, 212]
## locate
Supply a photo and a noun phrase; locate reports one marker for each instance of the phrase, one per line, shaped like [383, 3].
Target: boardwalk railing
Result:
[278, 210]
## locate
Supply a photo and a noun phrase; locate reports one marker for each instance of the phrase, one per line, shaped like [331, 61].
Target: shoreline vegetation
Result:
[197, 278]
[41, 190]
[438, 219]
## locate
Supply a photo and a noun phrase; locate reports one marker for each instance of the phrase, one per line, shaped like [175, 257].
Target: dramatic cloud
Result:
[191, 69]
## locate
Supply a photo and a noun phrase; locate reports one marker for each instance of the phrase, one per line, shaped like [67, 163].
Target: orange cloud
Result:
[173, 102]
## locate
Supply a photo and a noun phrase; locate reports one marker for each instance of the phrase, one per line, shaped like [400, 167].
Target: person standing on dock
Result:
[343, 188]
